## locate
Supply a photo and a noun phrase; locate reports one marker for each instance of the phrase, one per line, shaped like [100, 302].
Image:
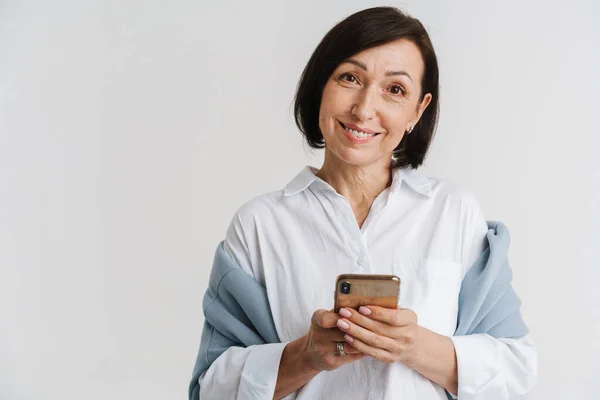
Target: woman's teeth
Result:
[359, 134]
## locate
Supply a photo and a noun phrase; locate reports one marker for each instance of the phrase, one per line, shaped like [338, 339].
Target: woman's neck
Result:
[359, 184]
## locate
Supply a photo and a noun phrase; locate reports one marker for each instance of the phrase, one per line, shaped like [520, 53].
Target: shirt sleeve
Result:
[495, 368]
[474, 230]
[243, 373]
[241, 243]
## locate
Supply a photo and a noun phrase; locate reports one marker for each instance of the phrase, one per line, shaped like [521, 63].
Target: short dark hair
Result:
[361, 31]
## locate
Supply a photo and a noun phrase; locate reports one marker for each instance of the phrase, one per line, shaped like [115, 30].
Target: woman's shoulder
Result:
[258, 214]
[440, 189]
[242, 239]
[460, 206]
[451, 199]
[270, 203]
[259, 205]
[460, 196]
[447, 188]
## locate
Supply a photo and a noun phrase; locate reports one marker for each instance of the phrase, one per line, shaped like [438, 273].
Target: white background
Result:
[131, 131]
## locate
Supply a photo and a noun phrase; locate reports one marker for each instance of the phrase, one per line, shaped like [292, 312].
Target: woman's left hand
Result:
[388, 335]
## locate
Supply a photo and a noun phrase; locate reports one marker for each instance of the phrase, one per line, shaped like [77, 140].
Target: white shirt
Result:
[427, 231]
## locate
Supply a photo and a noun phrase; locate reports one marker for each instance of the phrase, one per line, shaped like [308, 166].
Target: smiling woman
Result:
[381, 66]
[368, 96]
[374, 100]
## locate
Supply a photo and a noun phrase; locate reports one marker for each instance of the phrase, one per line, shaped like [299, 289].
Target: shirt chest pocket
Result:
[430, 288]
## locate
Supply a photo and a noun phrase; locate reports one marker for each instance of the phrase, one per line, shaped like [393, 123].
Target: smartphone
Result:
[355, 290]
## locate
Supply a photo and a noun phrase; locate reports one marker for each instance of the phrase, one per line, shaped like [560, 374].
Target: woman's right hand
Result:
[305, 357]
[321, 343]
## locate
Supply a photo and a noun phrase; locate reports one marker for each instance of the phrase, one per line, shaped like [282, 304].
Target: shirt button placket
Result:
[362, 263]
[376, 380]
[356, 239]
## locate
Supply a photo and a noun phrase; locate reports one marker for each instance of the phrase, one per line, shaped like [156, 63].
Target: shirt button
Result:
[362, 260]
[375, 364]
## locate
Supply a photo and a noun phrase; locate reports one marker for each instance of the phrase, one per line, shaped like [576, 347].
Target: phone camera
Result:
[346, 287]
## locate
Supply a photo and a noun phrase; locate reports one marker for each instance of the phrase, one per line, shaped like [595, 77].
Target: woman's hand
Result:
[305, 357]
[321, 343]
[386, 334]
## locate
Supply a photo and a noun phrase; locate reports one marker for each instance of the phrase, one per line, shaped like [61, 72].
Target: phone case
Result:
[369, 289]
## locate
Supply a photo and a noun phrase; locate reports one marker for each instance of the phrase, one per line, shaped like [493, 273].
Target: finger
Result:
[336, 336]
[375, 352]
[381, 328]
[395, 317]
[369, 337]
[325, 319]
[348, 349]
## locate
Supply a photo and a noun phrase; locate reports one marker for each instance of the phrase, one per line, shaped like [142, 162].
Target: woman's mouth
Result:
[357, 136]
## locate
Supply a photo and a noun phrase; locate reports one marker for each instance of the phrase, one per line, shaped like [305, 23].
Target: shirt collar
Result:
[413, 179]
[301, 181]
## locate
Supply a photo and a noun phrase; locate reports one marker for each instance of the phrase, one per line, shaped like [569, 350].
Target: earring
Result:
[410, 130]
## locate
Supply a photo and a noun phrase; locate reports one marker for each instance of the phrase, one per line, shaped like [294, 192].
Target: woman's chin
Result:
[356, 157]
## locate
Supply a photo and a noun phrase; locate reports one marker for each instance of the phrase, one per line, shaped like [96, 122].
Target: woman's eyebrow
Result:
[363, 66]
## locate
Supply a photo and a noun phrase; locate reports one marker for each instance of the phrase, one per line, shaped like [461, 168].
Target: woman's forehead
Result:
[397, 56]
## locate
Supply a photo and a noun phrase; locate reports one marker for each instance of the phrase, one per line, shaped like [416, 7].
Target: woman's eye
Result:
[348, 77]
[397, 89]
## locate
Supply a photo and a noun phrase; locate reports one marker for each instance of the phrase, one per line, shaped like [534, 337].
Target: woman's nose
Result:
[364, 107]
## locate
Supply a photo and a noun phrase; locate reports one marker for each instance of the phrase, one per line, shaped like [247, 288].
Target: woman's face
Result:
[376, 92]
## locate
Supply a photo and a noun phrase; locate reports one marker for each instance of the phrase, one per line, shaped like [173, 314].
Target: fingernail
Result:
[364, 310]
[342, 324]
[348, 338]
[345, 313]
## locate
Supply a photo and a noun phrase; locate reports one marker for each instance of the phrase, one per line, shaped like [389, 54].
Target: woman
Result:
[369, 97]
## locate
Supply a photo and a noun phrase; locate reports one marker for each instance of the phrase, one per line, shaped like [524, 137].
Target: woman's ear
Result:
[426, 100]
[421, 108]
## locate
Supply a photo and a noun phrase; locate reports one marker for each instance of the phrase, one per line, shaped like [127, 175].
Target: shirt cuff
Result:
[259, 375]
[477, 366]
